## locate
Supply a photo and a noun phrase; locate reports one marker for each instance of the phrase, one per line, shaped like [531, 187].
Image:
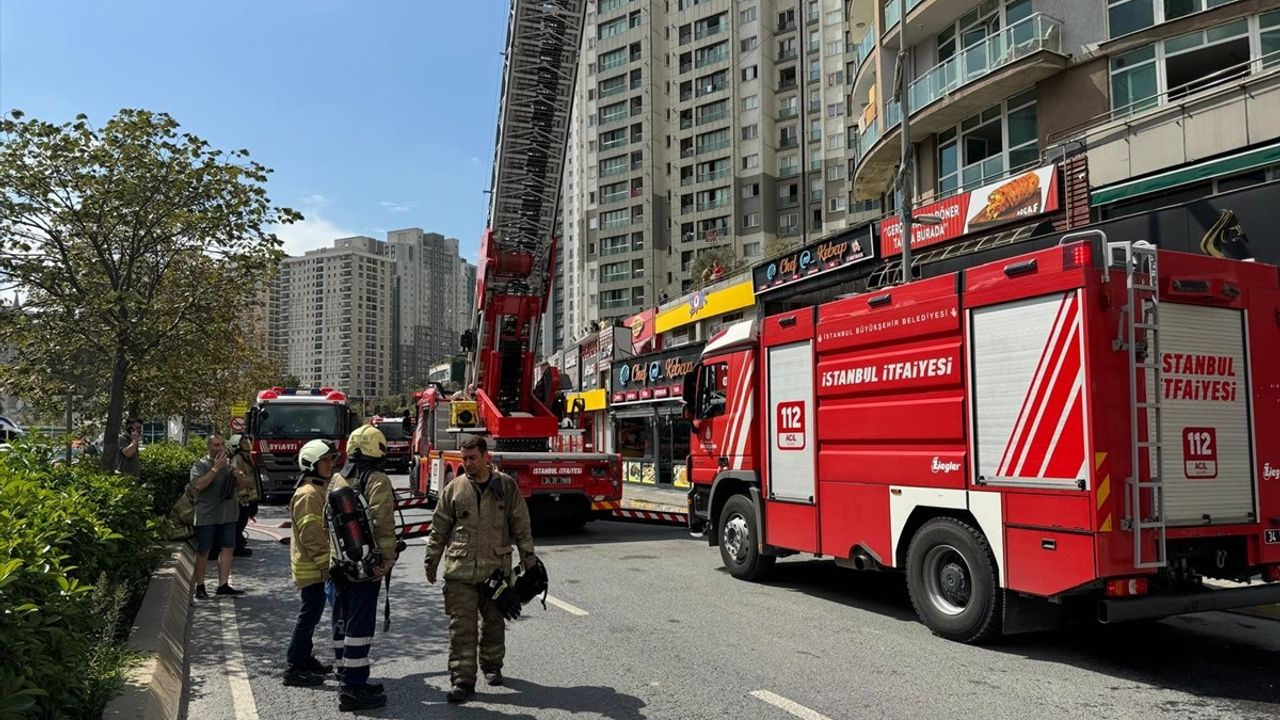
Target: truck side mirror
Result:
[407, 423]
[468, 341]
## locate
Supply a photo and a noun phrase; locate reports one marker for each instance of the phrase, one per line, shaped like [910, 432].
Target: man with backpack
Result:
[478, 517]
[360, 517]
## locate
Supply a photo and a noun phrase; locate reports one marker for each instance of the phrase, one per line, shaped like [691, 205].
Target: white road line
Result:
[571, 609]
[242, 702]
[794, 708]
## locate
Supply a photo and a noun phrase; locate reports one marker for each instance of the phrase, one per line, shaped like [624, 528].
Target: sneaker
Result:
[360, 698]
[201, 593]
[228, 590]
[494, 678]
[316, 666]
[460, 693]
[302, 678]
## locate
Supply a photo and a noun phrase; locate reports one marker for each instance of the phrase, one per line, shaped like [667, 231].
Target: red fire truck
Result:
[522, 420]
[399, 453]
[282, 420]
[1088, 428]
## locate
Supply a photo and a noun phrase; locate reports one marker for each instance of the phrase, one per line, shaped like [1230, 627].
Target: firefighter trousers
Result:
[468, 610]
[355, 616]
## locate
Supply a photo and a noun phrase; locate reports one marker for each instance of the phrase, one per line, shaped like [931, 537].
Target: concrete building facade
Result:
[432, 303]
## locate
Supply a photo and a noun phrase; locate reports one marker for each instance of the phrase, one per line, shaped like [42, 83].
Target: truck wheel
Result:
[739, 546]
[951, 576]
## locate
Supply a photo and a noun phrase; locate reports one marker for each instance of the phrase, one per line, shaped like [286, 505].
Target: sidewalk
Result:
[1271, 612]
[655, 498]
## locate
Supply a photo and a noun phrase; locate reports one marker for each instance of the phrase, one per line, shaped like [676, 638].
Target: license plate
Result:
[1272, 537]
[556, 481]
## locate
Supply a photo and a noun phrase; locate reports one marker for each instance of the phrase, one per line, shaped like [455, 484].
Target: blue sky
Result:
[374, 116]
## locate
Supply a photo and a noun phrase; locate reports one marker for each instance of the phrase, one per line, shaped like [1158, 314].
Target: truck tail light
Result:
[1126, 588]
[1272, 573]
[1076, 255]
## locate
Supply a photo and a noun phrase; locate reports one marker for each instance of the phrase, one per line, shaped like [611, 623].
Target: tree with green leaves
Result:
[140, 250]
[713, 264]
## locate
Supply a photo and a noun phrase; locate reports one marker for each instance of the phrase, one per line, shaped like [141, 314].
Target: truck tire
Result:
[739, 545]
[951, 577]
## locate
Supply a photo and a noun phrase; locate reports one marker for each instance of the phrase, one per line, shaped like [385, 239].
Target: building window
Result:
[835, 172]
[613, 59]
[751, 220]
[751, 102]
[750, 190]
[835, 47]
[837, 204]
[748, 15]
[751, 162]
[750, 132]
[1126, 16]
[751, 249]
[749, 43]
[750, 73]
[982, 22]
[613, 27]
[1179, 66]
[835, 141]
[835, 110]
[1001, 139]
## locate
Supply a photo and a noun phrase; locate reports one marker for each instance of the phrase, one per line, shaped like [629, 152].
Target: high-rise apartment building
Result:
[331, 316]
[699, 124]
[432, 301]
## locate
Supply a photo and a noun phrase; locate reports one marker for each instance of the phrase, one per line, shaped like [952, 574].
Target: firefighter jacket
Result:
[309, 551]
[246, 478]
[381, 500]
[473, 531]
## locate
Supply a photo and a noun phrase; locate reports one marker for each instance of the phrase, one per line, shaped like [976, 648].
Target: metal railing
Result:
[710, 117]
[709, 31]
[864, 49]
[715, 175]
[711, 59]
[787, 113]
[712, 204]
[712, 146]
[1025, 37]
[614, 170]
[786, 55]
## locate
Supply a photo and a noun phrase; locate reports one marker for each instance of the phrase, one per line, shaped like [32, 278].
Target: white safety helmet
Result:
[312, 453]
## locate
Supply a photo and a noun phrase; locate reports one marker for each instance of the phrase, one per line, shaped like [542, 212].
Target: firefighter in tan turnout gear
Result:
[309, 560]
[478, 517]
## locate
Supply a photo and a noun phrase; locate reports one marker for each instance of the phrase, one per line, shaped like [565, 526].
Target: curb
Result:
[156, 688]
[1266, 612]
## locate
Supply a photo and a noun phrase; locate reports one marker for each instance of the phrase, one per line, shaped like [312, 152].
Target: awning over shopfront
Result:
[1239, 162]
[703, 304]
[597, 399]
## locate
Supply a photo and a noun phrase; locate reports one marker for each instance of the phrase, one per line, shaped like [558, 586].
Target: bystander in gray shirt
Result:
[217, 503]
[128, 465]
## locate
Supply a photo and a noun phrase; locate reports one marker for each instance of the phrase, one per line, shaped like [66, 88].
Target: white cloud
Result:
[399, 207]
[312, 233]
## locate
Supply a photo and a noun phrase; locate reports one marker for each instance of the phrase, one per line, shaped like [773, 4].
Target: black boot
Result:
[360, 698]
[301, 677]
[460, 693]
[316, 666]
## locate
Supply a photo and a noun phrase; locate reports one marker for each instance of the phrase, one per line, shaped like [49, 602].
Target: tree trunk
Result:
[115, 408]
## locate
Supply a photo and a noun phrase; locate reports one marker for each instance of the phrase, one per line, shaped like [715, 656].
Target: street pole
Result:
[906, 174]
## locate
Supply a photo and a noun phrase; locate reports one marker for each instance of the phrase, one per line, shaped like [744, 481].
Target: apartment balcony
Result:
[786, 56]
[788, 230]
[614, 198]
[612, 171]
[1004, 64]
[709, 31]
[712, 176]
[713, 204]
[711, 117]
[789, 143]
[1219, 116]
[789, 171]
[712, 147]
[787, 113]
[787, 26]
[604, 121]
[711, 59]
[788, 202]
[786, 85]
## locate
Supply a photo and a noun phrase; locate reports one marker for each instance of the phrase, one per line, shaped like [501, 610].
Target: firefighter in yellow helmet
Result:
[358, 565]
[309, 560]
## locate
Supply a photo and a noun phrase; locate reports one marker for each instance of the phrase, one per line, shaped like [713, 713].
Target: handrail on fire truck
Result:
[1140, 337]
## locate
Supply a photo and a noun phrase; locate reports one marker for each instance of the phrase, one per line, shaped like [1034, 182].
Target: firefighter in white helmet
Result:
[309, 560]
[360, 562]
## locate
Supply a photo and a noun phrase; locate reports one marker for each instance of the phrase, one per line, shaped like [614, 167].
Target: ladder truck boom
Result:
[517, 253]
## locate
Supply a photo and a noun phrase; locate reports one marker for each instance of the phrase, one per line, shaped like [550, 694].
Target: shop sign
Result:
[1032, 193]
[642, 326]
[654, 376]
[814, 259]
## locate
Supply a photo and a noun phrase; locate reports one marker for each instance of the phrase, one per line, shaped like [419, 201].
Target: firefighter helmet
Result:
[312, 453]
[367, 442]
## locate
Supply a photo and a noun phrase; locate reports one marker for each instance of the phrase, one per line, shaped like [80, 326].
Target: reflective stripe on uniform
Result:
[358, 641]
[306, 520]
[356, 662]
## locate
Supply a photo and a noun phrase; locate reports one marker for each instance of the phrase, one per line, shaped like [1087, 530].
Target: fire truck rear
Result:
[1083, 430]
[282, 420]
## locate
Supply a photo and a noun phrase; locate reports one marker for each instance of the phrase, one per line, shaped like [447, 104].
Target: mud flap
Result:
[1031, 614]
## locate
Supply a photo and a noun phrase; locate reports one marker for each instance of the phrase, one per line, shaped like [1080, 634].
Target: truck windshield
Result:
[392, 431]
[300, 421]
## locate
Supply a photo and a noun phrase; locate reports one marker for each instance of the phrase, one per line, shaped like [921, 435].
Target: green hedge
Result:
[166, 470]
[79, 547]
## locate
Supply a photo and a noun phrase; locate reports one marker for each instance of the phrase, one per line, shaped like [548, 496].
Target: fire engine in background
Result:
[282, 420]
[513, 284]
[1088, 428]
[394, 430]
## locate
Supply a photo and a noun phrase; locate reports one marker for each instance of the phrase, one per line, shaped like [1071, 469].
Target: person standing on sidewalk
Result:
[247, 487]
[309, 560]
[129, 446]
[476, 520]
[216, 513]
[355, 589]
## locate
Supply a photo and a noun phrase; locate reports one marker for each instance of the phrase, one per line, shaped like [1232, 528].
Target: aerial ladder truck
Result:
[513, 283]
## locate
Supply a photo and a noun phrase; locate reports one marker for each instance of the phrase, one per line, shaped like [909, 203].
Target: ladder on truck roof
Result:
[517, 256]
[1139, 334]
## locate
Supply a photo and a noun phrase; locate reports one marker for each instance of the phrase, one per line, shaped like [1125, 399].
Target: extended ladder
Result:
[1139, 335]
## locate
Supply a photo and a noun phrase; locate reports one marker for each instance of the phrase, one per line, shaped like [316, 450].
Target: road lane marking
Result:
[790, 706]
[242, 702]
[571, 609]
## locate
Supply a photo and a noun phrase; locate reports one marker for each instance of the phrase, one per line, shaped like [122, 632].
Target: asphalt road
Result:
[646, 624]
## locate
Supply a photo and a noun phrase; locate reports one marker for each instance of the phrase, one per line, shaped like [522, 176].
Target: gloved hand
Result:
[528, 561]
[503, 595]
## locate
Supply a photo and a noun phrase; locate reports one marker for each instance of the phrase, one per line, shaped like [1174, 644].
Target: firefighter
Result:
[247, 487]
[355, 582]
[309, 560]
[476, 520]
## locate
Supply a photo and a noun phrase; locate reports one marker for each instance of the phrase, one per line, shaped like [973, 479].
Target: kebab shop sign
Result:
[1028, 194]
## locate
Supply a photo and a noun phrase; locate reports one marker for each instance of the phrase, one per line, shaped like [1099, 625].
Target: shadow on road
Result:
[881, 593]
[605, 532]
